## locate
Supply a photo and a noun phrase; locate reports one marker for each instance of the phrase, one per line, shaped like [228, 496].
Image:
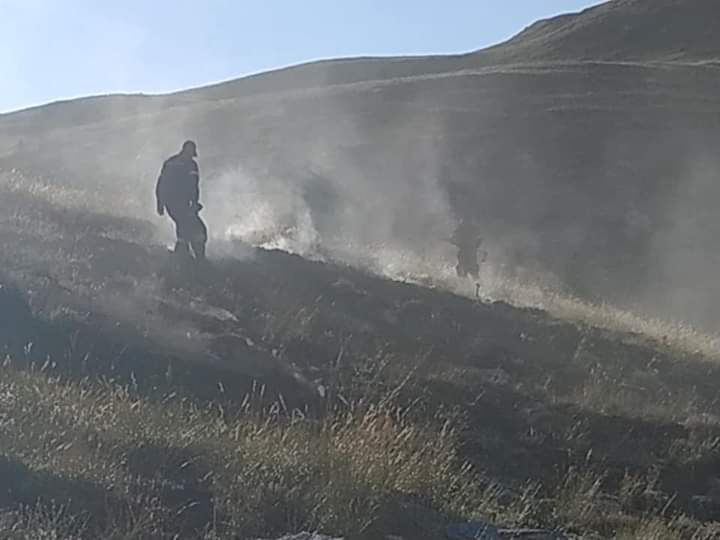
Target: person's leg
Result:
[462, 266]
[182, 246]
[198, 247]
[199, 239]
[474, 270]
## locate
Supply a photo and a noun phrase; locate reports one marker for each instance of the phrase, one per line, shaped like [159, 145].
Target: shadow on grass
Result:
[515, 437]
[174, 493]
[180, 479]
[23, 487]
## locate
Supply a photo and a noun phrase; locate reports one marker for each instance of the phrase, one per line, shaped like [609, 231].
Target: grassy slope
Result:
[143, 400]
[192, 428]
[569, 142]
[620, 30]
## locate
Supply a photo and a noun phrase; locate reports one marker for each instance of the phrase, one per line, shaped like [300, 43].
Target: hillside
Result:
[133, 377]
[326, 370]
[618, 30]
[621, 30]
[590, 171]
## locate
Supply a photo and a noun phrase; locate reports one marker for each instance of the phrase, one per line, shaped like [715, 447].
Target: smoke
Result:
[393, 219]
[683, 256]
[261, 212]
[377, 175]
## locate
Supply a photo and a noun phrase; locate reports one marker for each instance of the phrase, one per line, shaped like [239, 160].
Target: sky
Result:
[60, 49]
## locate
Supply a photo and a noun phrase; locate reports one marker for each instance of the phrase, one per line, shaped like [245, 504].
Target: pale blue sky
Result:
[57, 49]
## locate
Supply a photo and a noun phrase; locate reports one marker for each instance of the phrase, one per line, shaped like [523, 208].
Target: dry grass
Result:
[438, 271]
[679, 336]
[92, 460]
[61, 195]
[260, 473]
[89, 459]
[657, 529]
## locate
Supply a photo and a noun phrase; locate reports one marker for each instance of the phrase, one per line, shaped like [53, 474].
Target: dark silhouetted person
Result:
[178, 193]
[467, 239]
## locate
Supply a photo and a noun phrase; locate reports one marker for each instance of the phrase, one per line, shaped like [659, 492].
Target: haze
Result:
[439, 288]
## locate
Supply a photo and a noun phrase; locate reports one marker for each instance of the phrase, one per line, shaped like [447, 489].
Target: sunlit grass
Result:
[264, 472]
[435, 269]
[92, 460]
[494, 286]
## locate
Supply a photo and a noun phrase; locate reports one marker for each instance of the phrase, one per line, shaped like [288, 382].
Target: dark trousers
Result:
[468, 264]
[190, 231]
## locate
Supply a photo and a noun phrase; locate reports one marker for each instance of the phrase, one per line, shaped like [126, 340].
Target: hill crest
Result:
[621, 30]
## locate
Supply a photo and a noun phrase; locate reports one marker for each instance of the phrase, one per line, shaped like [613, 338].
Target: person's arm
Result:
[195, 172]
[159, 189]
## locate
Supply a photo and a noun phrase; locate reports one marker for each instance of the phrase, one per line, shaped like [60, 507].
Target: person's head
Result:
[189, 149]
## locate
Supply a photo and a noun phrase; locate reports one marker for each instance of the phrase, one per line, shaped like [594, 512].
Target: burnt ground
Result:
[540, 400]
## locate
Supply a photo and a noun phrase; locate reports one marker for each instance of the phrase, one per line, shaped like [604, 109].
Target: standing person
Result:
[467, 240]
[178, 193]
